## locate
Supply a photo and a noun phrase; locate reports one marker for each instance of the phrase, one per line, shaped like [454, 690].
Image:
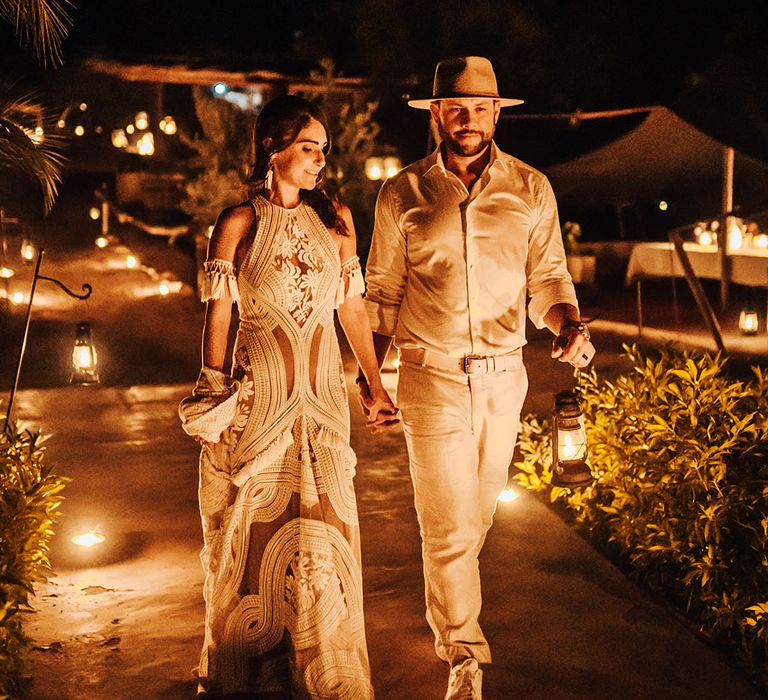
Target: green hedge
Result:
[680, 451]
[30, 495]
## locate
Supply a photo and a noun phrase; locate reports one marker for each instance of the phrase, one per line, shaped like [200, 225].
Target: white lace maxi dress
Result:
[283, 585]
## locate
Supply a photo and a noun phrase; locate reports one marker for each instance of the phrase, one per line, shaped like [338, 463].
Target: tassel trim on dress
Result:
[219, 281]
[351, 282]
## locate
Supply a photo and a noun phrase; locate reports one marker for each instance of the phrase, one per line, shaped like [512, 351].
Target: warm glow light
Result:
[735, 237]
[168, 125]
[119, 139]
[6, 273]
[94, 213]
[83, 106]
[79, 130]
[61, 123]
[392, 166]
[760, 240]
[141, 120]
[507, 496]
[374, 168]
[210, 231]
[220, 88]
[39, 131]
[131, 262]
[663, 205]
[17, 297]
[706, 238]
[101, 242]
[568, 447]
[89, 539]
[130, 129]
[396, 363]
[82, 357]
[748, 323]
[164, 289]
[145, 146]
[27, 251]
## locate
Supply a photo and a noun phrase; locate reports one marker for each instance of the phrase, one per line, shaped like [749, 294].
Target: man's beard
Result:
[462, 149]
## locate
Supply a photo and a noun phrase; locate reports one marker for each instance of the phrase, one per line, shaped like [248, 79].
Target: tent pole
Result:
[726, 207]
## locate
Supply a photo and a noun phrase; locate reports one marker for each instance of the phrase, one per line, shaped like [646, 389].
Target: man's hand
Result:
[573, 345]
[382, 414]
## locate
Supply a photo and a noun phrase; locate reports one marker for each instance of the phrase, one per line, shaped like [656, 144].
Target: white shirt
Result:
[450, 270]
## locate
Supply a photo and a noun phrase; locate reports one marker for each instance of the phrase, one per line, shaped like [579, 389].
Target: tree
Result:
[43, 24]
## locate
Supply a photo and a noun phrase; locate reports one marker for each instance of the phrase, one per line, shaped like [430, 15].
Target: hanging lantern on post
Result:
[569, 443]
[84, 361]
[28, 251]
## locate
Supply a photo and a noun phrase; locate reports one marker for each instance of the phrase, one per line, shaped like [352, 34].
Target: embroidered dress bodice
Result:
[283, 583]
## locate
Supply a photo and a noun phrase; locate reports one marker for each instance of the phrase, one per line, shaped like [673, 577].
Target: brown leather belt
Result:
[469, 364]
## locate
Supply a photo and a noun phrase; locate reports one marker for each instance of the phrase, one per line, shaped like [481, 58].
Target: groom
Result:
[464, 240]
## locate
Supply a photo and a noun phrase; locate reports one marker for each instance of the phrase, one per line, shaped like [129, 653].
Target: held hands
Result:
[573, 345]
[377, 406]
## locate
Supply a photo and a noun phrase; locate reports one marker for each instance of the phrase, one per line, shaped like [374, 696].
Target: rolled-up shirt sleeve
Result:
[548, 280]
[386, 271]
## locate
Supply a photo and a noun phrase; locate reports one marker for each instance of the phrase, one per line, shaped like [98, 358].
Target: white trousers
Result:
[461, 432]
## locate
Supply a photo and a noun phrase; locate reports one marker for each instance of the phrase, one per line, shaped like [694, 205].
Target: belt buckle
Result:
[466, 360]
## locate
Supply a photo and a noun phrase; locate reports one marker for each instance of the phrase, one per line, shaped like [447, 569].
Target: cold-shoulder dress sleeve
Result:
[351, 281]
[219, 281]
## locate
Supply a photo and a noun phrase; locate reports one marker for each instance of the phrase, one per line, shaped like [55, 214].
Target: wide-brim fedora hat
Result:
[464, 76]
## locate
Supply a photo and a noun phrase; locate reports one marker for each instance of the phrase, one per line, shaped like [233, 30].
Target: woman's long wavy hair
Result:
[279, 124]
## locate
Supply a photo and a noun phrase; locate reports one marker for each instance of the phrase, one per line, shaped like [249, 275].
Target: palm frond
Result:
[42, 23]
[19, 149]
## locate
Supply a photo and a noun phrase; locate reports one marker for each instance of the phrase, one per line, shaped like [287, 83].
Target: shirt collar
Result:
[435, 161]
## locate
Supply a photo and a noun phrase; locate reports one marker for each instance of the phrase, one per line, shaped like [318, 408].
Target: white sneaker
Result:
[465, 681]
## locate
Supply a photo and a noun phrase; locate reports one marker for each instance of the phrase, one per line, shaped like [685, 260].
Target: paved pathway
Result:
[563, 622]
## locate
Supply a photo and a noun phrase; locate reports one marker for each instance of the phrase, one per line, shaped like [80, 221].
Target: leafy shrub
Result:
[30, 494]
[680, 452]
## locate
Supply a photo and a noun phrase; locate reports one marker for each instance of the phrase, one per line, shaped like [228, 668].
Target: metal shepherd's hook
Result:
[87, 291]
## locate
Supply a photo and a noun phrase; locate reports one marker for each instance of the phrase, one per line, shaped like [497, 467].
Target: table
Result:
[749, 267]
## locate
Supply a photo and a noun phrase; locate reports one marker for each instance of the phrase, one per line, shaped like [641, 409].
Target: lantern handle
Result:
[87, 288]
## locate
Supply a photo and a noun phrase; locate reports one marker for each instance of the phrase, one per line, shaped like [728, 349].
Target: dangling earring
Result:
[269, 177]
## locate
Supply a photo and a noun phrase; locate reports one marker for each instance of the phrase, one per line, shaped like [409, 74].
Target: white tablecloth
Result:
[660, 260]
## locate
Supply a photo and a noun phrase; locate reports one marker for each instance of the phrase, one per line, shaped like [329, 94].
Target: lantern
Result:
[569, 443]
[748, 323]
[84, 361]
[27, 250]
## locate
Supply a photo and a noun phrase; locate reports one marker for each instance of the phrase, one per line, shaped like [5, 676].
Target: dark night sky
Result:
[708, 60]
